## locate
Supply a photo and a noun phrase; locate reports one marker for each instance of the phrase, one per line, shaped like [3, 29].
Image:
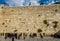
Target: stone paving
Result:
[32, 39]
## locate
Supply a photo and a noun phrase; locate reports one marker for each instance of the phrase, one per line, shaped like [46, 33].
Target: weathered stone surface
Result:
[30, 19]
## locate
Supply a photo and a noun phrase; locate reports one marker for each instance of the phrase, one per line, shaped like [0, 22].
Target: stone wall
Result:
[44, 20]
